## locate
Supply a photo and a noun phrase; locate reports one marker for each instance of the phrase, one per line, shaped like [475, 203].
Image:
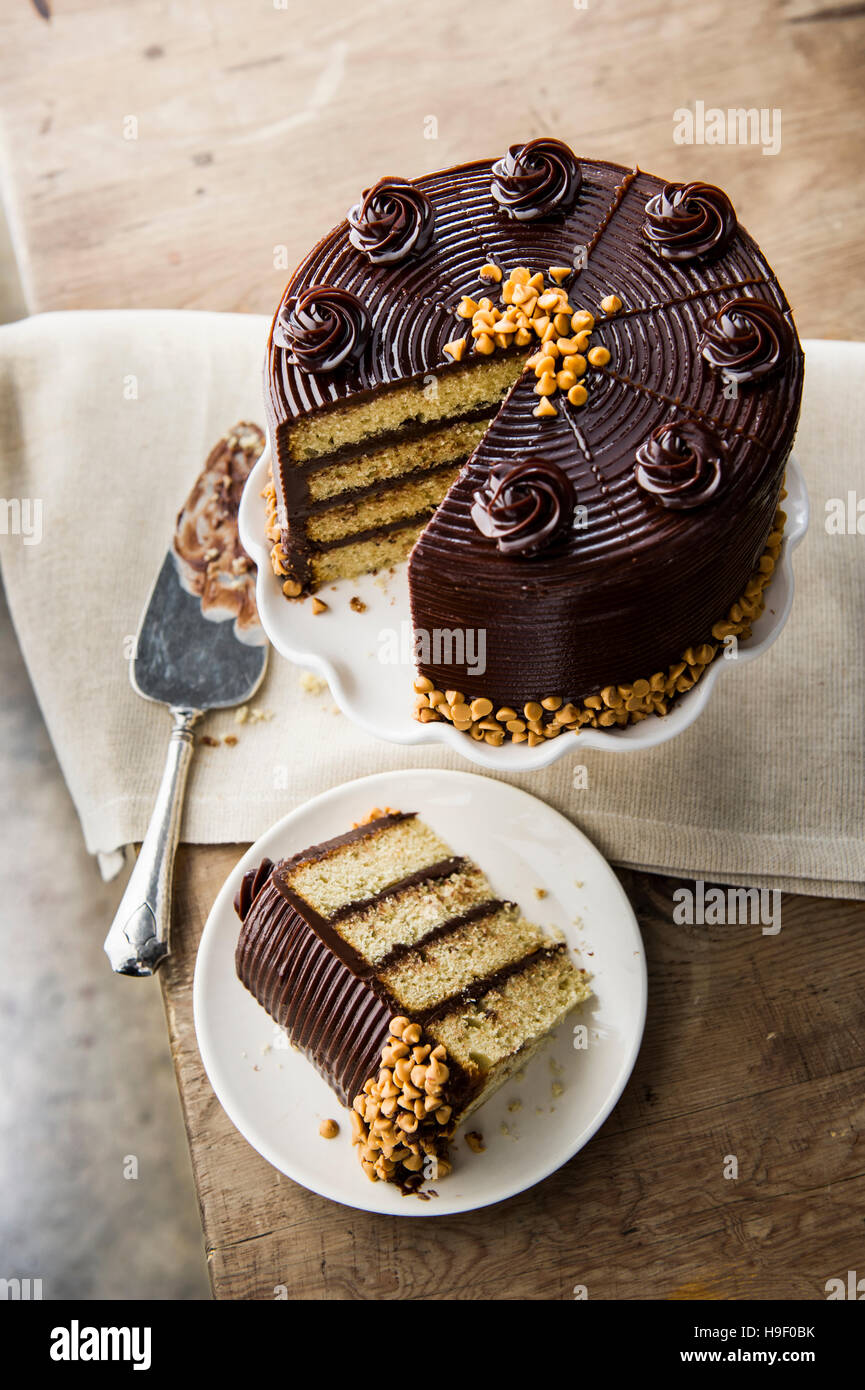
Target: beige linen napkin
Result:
[105, 418]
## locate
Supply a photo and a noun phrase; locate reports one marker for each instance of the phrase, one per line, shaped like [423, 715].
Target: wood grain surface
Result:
[753, 1048]
[188, 155]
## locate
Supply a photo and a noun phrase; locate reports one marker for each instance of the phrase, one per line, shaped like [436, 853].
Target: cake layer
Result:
[404, 499]
[437, 971]
[407, 405]
[495, 1035]
[378, 467]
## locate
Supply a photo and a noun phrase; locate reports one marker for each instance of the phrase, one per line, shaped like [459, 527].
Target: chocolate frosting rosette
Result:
[536, 180]
[323, 327]
[393, 220]
[524, 507]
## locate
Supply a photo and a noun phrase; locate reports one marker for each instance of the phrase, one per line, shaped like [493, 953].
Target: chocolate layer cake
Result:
[569, 390]
[413, 989]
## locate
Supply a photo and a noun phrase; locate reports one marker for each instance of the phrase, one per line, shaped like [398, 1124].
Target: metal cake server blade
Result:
[192, 664]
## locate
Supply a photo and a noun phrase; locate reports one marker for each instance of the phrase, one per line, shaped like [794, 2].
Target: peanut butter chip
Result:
[329, 1129]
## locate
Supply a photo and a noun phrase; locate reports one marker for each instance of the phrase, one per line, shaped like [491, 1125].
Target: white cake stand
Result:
[358, 652]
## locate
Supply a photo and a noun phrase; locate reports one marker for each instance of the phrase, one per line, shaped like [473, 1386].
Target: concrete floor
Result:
[86, 1079]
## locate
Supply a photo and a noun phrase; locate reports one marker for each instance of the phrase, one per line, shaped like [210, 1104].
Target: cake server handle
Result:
[137, 941]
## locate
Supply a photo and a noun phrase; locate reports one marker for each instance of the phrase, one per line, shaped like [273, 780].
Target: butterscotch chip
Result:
[546, 385]
[545, 408]
[552, 702]
[455, 349]
[329, 1129]
[599, 356]
[533, 710]
[611, 304]
[578, 395]
[561, 273]
[466, 308]
[319, 606]
[481, 707]
[574, 362]
[491, 273]
[291, 588]
[484, 344]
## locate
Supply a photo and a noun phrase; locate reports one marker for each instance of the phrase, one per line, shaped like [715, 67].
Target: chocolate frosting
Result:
[525, 506]
[393, 221]
[747, 339]
[537, 179]
[250, 886]
[681, 464]
[686, 220]
[323, 327]
[596, 607]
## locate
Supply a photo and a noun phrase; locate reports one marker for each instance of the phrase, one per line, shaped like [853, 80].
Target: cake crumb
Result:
[554, 1065]
[540, 892]
[475, 1141]
[313, 684]
[209, 741]
[230, 739]
[241, 715]
[260, 716]
[328, 1129]
[357, 604]
[503, 1129]
[556, 1090]
[514, 1106]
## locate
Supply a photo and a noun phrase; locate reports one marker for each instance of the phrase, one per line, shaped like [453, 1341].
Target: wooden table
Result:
[183, 156]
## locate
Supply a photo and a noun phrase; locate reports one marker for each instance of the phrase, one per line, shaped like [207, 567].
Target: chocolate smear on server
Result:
[538, 179]
[211, 562]
[394, 220]
[687, 220]
[323, 328]
[747, 339]
[524, 507]
[681, 464]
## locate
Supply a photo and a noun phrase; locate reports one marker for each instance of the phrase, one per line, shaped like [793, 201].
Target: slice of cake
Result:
[413, 989]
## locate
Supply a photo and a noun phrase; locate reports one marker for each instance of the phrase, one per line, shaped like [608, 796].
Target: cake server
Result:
[192, 664]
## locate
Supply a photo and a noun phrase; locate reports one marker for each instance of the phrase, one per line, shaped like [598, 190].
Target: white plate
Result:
[276, 1098]
[346, 648]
